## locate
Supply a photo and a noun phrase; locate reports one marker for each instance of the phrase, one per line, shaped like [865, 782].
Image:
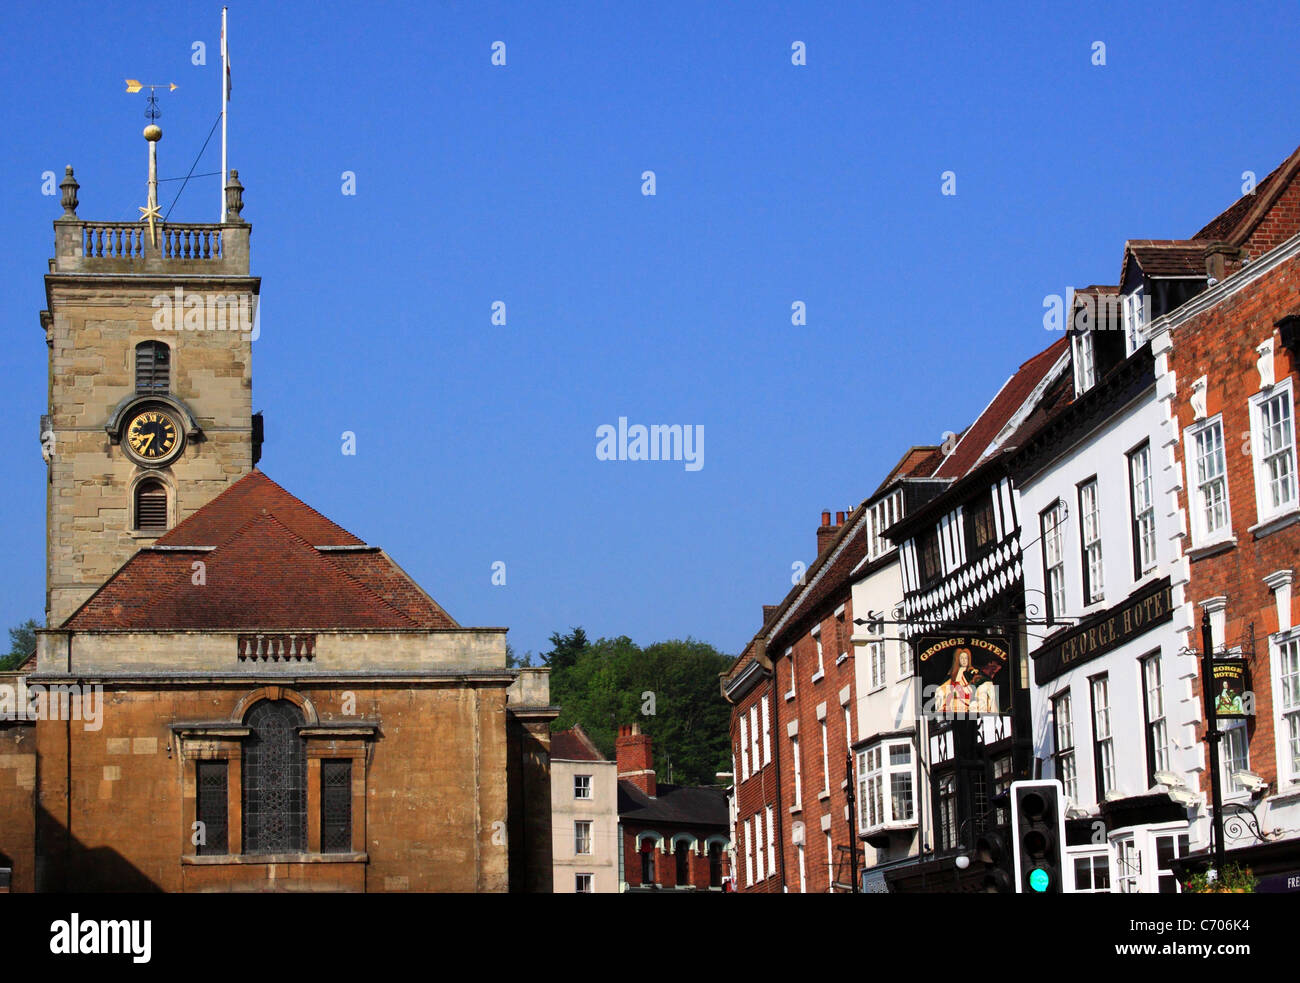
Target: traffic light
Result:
[991, 851]
[1038, 825]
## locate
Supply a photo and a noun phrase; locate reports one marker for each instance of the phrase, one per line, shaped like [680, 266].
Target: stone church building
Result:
[241, 695]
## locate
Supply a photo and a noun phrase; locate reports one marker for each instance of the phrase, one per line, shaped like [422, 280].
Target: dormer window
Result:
[880, 517]
[1085, 362]
[1134, 316]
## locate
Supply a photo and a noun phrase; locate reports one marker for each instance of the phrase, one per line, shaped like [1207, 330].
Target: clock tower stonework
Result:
[150, 415]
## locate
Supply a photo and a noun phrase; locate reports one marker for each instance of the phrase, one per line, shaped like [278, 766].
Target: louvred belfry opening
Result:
[151, 506]
[152, 367]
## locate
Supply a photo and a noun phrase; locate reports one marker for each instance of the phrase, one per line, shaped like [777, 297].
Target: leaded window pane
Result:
[213, 808]
[275, 780]
[336, 806]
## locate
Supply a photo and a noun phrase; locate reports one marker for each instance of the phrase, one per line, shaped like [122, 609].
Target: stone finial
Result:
[234, 199]
[69, 186]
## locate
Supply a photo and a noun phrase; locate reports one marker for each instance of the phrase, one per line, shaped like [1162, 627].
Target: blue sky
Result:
[775, 183]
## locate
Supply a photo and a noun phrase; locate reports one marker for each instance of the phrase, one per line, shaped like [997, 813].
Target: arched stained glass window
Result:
[275, 780]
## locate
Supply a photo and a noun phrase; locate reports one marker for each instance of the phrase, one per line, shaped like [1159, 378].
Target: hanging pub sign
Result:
[1231, 683]
[964, 674]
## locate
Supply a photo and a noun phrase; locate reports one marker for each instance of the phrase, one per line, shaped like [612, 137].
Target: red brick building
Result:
[674, 837]
[792, 691]
[1227, 362]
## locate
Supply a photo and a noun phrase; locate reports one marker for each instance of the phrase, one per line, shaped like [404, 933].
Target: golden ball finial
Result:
[153, 133]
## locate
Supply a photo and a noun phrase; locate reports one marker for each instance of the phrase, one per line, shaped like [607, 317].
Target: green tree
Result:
[514, 661]
[565, 649]
[670, 688]
[22, 640]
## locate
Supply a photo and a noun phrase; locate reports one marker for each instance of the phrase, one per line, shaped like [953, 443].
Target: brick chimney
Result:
[826, 532]
[636, 763]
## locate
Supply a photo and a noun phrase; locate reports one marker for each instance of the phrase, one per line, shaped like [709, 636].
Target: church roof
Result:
[252, 495]
[260, 572]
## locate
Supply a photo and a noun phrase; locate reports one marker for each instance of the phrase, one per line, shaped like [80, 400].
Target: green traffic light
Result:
[1039, 880]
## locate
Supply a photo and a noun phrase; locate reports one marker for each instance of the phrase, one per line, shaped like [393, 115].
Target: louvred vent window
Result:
[152, 367]
[150, 507]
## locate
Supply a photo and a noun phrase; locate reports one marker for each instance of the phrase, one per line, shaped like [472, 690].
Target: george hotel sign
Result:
[1105, 631]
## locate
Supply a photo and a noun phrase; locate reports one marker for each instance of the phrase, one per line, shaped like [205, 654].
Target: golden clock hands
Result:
[144, 445]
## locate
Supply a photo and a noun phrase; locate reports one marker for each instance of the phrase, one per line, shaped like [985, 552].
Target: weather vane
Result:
[153, 133]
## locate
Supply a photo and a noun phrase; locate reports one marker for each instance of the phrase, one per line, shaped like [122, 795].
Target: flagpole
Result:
[225, 92]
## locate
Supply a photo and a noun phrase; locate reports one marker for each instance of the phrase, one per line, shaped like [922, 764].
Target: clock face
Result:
[153, 436]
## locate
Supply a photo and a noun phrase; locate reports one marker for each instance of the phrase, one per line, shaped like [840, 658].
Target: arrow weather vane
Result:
[153, 133]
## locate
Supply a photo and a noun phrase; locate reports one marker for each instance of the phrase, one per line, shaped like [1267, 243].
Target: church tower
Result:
[150, 327]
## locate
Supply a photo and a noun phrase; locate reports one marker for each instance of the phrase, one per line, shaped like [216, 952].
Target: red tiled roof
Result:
[252, 495]
[262, 575]
[1165, 257]
[977, 437]
[574, 745]
[827, 577]
[1235, 221]
[916, 462]
[377, 571]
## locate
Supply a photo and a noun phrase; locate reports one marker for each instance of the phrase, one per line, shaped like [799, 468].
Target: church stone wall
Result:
[92, 328]
[430, 796]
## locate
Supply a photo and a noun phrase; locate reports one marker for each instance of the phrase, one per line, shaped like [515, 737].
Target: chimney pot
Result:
[839, 518]
[826, 518]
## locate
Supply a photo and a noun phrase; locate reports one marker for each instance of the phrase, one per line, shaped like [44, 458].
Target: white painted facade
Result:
[890, 796]
[1117, 700]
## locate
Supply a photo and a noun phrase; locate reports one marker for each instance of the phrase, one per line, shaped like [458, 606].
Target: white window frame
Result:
[581, 827]
[579, 787]
[1085, 362]
[771, 844]
[1285, 663]
[1142, 503]
[883, 515]
[1065, 763]
[877, 772]
[1202, 534]
[1154, 709]
[578, 887]
[789, 654]
[758, 848]
[821, 663]
[1134, 315]
[754, 739]
[747, 829]
[1234, 734]
[848, 728]
[830, 864]
[1094, 586]
[826, 759]
[1265, 510]
[1103, 736]
[876, 665]
[1125, 877]
[1052, 525]
[767, 734]
[798, 772]
[1099, 858]
[744, 746]
[905, 666]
